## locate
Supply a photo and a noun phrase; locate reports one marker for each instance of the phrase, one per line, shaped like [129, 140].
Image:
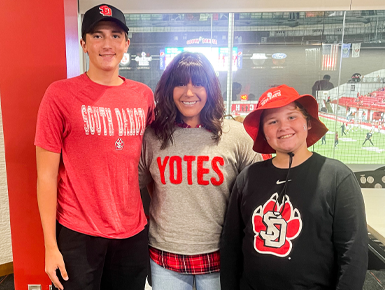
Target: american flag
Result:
[329, 56]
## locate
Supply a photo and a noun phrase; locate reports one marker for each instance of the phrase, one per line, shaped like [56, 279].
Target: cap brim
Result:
[120, 23]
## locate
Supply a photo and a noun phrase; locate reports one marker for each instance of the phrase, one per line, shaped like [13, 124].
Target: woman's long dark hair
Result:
[184, 67]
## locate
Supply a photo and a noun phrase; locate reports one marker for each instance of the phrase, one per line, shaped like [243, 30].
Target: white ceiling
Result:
[207, 6]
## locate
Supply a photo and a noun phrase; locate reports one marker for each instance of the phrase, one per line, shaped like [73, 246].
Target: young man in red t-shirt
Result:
[88, 143]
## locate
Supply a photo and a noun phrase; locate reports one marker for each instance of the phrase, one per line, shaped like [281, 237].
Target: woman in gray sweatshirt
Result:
[190, 159]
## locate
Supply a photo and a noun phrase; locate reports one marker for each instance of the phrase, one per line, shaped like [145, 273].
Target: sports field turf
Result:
[349, 149]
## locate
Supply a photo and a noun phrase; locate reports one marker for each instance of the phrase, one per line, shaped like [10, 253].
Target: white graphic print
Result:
[270, 96]
[274, 231]
[119, 144]
[100, 120]
[275, 234]
[283, 181]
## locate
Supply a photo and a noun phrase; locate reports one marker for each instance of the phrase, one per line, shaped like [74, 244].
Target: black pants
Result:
[369, 141]
[95, 263]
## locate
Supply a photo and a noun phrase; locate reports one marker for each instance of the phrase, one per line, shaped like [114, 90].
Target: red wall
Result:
[35, 37]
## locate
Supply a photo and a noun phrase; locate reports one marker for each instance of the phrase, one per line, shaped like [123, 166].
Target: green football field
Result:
[350, 149]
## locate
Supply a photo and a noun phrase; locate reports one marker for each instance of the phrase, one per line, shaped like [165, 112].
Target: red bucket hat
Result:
[278, 97]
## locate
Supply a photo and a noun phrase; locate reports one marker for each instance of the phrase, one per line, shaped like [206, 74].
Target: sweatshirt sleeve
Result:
[231, 242]
[247, 155]
[350, 235]
[144, 163]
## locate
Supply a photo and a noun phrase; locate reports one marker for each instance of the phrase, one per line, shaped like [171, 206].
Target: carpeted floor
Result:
[6, 282]
[375, 280]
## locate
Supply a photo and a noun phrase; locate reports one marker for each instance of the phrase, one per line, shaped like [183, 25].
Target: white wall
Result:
[368, 5]
[5, 230]
[196, 6]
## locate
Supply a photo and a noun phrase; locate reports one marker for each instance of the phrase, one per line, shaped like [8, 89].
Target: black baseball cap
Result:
[103, 12]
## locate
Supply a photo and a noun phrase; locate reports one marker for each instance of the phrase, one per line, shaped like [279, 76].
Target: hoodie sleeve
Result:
[350, 235]
[231, 242]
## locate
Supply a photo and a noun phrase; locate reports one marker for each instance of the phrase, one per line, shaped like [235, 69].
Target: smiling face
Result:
[286, 129]
[105, 46]
[190, 99]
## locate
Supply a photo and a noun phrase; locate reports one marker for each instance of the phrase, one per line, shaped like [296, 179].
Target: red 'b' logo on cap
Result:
[105, 10]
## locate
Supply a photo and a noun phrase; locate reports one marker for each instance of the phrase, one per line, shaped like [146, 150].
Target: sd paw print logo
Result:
[274, 231]
[119, 144]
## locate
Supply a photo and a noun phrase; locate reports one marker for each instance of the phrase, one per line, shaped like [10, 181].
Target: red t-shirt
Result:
[98, 130]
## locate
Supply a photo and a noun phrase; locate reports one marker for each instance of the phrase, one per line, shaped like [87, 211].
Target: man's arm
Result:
[315, 88]
[47, 173]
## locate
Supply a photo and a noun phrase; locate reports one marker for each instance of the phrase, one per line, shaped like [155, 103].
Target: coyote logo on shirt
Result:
[273, 231]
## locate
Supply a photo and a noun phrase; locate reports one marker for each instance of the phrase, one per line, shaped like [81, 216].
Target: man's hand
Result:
[53, 261]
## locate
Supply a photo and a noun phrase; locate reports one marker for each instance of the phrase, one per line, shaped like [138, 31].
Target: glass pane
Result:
[157, 38]
[299, 49]
[311, 52]
[358, 103]
[292, 48]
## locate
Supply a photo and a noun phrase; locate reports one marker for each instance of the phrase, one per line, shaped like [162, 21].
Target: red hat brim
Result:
[308, 102]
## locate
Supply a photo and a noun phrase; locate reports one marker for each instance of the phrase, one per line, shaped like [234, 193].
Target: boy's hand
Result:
[53, 261]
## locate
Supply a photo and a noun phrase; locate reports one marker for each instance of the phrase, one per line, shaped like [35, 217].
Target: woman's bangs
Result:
[188, 70]
[181, 76]
[198, 75]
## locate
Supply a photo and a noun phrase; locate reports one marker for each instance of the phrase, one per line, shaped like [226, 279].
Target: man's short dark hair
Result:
[327, 77]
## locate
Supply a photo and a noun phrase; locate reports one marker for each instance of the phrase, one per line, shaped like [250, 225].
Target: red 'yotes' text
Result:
[202, 164]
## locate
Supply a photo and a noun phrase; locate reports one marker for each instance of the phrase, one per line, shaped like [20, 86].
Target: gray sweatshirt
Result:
[193, 179]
